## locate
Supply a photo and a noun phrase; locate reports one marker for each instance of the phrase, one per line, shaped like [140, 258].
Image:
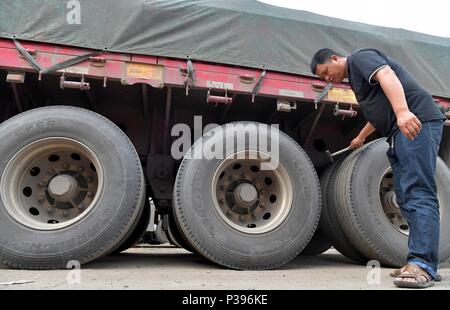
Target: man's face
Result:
[332, 72]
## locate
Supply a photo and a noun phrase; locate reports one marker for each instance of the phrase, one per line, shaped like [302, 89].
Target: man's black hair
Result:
[321, 57]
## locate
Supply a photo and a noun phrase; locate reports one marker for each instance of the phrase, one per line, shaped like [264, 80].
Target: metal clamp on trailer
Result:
[218, 99]
[344, 113]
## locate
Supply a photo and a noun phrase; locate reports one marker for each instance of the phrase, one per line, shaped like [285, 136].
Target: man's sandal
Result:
[397, 272]
[411, 271]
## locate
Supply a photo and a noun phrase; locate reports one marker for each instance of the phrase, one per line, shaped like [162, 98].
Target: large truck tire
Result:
[329, 221]
[138, 231]
[241, 216]
[175, 235]
[369, 213]
[318, 244]
[71, 187]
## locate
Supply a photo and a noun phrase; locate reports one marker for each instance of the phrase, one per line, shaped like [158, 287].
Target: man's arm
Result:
[407, 122]
[364, 133]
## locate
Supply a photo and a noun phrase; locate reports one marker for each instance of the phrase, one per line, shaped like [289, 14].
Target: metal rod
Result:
[340, 152]
[303, 121]
[17, 97]
[226, 110]
[145, 100]
[93, 102]
[167, 120]
[316, 120]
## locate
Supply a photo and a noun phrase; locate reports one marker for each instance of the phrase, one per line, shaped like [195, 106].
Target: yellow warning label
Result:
[145, 71]
[342, 95]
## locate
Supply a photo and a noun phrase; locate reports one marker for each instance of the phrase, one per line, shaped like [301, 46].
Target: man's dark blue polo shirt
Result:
[361, 67]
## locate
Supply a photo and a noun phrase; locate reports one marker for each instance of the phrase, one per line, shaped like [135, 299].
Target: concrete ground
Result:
[167, 268]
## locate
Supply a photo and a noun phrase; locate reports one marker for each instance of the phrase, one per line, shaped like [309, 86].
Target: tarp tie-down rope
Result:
[59, 66]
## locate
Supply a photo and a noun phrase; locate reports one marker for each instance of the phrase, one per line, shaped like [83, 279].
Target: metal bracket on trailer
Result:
[286, 106]
[82, 85]
[344, 113]
[160, 172]
[218, 99]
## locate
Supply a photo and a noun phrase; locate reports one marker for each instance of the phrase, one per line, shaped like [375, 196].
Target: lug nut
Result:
[41, 184]
[90, 194]
[51, 172]
[90, 179]
[253, 215]
[80, 169]
[229, 212]
[41, 199]
[65, 213]
[66, 166]
[222, 200]
[241, 218]
[50, 210]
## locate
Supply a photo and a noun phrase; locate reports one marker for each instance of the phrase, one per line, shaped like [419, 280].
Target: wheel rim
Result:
[249, 199]
[389, 204]
[51, 183]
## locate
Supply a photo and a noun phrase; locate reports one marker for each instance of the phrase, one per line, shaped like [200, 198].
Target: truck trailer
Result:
[110, 111]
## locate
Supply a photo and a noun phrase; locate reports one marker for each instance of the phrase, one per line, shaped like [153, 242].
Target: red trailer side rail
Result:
[160, 71]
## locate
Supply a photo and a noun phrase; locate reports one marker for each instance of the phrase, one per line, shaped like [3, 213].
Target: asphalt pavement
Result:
[169, 268]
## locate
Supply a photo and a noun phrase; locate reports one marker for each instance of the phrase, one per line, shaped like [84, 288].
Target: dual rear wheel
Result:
[360, 214]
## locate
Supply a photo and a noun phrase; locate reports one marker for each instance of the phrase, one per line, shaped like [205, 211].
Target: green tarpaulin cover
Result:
[238, 32]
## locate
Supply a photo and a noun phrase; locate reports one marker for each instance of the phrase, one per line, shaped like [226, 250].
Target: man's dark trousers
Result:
[414, 166]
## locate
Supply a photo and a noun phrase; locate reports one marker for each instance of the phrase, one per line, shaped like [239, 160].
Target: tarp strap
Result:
[69, 62]
[322, 95]
[189, 81]
[258, 84]
[30, 59]
[62, 65]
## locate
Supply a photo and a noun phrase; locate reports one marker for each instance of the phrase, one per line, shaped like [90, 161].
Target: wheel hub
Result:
[51, 183]
[245, 194]
[389, 203]
[249, 199]
[63, 188]
[391, 200]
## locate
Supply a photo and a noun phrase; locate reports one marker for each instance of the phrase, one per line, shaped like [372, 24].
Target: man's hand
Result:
[359, 140]
[357, 143]
[408, 124]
